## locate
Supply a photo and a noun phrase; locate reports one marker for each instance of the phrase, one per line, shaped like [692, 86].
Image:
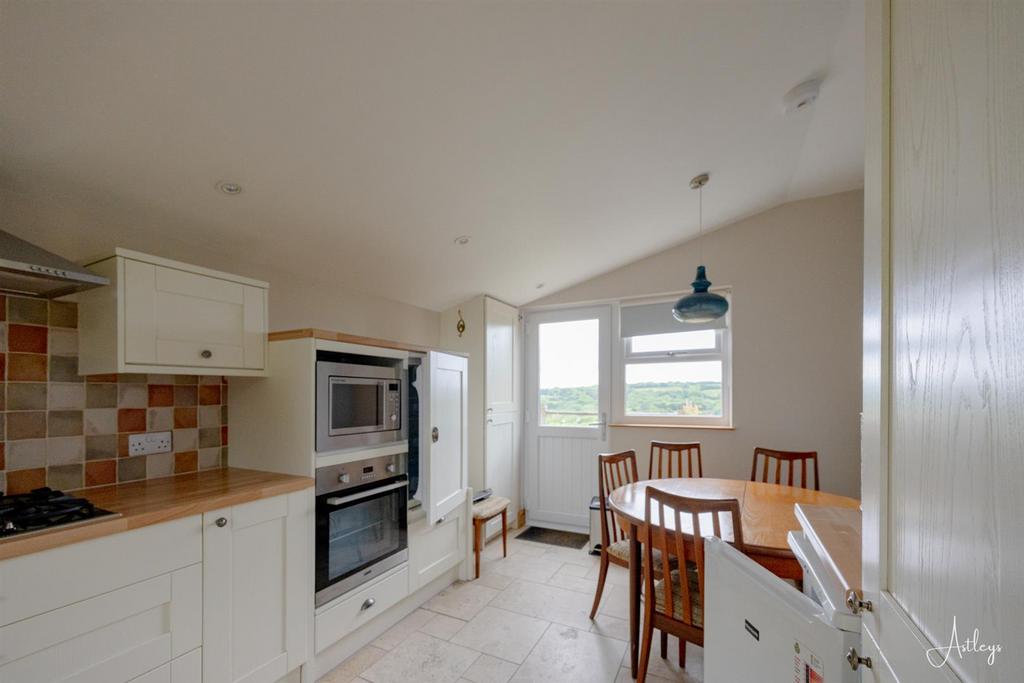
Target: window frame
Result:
[625, 356]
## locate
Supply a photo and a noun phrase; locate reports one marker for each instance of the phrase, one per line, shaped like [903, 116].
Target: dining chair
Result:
[669, 457]
[614, 470]
[770, 456]
[678, 604]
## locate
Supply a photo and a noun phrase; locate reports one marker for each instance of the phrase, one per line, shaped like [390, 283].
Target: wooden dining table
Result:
[766, 514]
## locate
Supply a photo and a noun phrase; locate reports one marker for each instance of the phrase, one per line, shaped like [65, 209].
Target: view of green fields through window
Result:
[568, 355]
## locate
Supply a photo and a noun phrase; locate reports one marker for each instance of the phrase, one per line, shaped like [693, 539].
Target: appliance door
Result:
[356, 405]
[360, 534]
[757, 627]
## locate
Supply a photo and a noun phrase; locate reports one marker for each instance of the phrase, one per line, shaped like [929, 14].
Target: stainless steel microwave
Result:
[358, 405]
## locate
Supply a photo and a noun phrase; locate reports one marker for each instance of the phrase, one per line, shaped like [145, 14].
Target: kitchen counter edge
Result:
[153, 501]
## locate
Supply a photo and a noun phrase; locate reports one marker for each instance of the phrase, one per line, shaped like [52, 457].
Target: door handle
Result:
[335, 501]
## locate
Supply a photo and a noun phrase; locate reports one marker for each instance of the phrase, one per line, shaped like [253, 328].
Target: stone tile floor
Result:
[527, 618]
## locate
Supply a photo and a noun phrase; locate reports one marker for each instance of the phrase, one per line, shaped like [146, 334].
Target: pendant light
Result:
[701, 306]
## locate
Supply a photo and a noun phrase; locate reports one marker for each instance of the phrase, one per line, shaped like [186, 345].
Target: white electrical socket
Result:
[149, 442]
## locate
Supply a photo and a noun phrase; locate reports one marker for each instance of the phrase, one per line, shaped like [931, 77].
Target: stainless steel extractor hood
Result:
[27, 269]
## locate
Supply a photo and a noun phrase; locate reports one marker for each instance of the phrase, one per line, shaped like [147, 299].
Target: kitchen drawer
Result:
[113, 637]
[350, 613]
[187, 668]
[36, 583]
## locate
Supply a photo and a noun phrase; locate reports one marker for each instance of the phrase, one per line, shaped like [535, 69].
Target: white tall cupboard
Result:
[492, 339]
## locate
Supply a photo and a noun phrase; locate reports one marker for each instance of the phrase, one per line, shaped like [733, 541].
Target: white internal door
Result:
[943, 381]
[568, 375]
[443, 432]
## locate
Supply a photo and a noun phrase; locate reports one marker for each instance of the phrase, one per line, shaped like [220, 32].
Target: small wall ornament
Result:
[460, 326]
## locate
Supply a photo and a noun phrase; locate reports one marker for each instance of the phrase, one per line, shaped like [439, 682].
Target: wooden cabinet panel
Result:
[435, 548]
[172, 317]
[256, 577]
[444, 380]
[110, 638]
[501, 322]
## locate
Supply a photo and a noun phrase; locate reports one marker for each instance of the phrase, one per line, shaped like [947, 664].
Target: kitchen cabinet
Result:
[443, 381]
[360, 606]
[162, 316]
[492, 339]
[110, 610]
[436, 548]
[257, 585]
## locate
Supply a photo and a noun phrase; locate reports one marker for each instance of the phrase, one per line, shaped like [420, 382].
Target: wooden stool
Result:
[483, 512]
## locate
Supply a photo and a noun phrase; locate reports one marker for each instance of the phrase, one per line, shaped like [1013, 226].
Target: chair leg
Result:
[645, 648]
[682, 653]
[602, 573]
[664, 644]
[504, 533]
[476, 545]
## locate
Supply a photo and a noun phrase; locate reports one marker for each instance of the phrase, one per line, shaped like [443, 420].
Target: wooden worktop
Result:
[152, 501]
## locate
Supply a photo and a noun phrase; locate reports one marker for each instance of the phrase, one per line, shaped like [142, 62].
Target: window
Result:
[569, 370]
[672, 377]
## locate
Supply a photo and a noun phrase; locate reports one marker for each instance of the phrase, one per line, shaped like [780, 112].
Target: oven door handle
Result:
[342, 500]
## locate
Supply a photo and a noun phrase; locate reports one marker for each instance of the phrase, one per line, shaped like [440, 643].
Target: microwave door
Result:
[356, 405]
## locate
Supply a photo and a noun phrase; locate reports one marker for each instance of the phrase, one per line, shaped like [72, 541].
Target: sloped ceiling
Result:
[560, 136]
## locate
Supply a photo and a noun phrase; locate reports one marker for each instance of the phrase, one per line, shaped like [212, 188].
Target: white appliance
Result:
[758, 627]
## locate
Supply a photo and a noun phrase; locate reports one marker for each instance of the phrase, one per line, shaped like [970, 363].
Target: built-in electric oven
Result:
[359, 402]
[361, 523]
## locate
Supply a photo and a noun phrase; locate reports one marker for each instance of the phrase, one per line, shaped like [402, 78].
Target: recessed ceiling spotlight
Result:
[802, 96]
[228, 187]
[462, 240]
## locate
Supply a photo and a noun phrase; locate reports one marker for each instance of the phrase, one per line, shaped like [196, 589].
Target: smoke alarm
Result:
[802, 96]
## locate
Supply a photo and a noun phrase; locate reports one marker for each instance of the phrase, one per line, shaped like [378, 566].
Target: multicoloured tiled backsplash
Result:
[65, 431]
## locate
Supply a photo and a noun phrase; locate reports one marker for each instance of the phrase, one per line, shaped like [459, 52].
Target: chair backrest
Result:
[770, 456]
[693, 518]
[613, 470]
[668, 457]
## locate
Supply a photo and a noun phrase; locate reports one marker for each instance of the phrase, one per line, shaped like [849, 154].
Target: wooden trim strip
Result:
[314, 333]
[152, 501]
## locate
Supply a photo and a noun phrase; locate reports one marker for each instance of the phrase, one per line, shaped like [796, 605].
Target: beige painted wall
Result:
[77, 229]
[795, 274]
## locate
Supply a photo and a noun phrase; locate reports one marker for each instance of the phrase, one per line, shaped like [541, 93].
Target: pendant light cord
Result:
[700, 225]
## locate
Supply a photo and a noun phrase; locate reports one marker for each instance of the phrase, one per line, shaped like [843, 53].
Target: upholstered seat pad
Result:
[620, 550]
[489, 507]
[678, 611]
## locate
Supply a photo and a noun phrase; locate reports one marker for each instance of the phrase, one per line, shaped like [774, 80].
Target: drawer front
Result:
[36, 583]
[351, 613]
[187, 668]
[110, 638]
[433, 550]
[173, 317]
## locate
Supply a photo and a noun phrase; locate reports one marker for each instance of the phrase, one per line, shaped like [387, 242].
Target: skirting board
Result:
[334, 655]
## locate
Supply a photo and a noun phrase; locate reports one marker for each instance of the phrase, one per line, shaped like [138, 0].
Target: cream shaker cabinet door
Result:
[174, 317]
[257, 592]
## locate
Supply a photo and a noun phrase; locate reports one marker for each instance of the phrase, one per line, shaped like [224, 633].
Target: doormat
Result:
[565, 539]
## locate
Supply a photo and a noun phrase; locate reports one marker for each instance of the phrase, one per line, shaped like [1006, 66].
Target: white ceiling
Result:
[367, 135]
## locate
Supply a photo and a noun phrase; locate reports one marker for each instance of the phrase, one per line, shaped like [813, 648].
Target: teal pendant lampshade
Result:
[701, 306]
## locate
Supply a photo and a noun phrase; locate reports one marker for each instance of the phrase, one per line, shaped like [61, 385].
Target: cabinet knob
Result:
[367, 604]
[206, 353]
[221, 521]
[434, 435]
[856, 661]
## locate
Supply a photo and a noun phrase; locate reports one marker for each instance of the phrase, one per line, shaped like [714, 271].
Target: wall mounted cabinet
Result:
[161, 316]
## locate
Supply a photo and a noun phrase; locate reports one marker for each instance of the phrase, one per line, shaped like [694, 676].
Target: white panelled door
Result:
[568, 377]
[443, 431]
